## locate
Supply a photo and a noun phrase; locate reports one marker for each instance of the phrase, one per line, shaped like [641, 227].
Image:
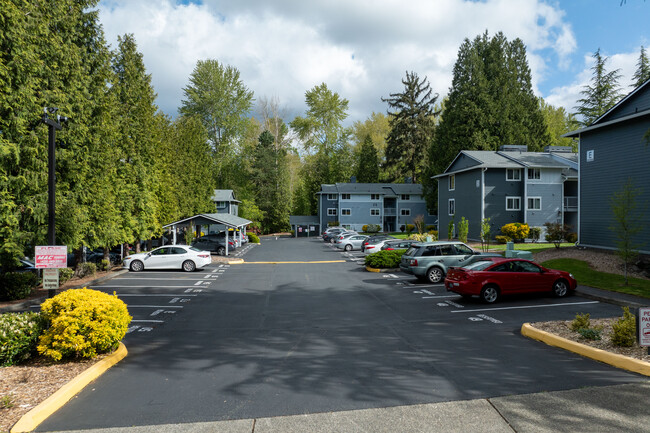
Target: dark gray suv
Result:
[430, 260]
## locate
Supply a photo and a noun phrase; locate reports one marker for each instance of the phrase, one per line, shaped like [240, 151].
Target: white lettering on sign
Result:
[644, 326]
[51, 256]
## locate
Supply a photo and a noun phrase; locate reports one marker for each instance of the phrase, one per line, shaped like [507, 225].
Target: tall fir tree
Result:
[411, 128]
[601, 95]
[642, 73]
[491, 103]
[368, 162]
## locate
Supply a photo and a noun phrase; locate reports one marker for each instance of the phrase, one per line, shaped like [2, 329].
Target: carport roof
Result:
[214, 218]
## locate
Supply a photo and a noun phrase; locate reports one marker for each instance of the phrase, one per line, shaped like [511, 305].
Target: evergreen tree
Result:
[217, 96]
[642, 73]
[601, 95]
[270, 177]
[368, 162]
[491, 103]
[411, 128]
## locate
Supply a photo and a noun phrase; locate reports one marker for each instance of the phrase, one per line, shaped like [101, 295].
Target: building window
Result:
[345, 211]
[331, 211]
[534, 173]
[331, 196]
[452, 182]
[374, 212]
[406, 196]
[452, 207]
[534, 203]
[513, 203]
[405, 212]
[222, 204]
[374, 197]
[345, 196]
[513, 174]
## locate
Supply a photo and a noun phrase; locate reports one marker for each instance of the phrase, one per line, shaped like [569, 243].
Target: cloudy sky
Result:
[362, 48]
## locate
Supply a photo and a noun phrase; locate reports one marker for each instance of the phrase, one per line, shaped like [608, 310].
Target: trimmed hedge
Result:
[384, 259]
[252, 237]
[17, 285]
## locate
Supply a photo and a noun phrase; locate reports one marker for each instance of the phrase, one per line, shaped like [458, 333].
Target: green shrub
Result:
[581, 321]
[410, 228]
[104, 265]
[83, 323]
[463, 229]
[430, 228]
[450, 229]
[332, 223]
[17, 285]
[384, 259]
[86, 269]
[364, 228]
[65, 274]
[252, 237]
[624, 329]
[19, 334]
[535, 233]
[516, 230]
[556, 233]
[503, 239]
[572, 238]
[590, 334]
[372, 228]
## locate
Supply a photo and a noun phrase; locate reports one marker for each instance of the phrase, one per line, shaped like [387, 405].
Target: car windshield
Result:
[411, 251]
[478, 266]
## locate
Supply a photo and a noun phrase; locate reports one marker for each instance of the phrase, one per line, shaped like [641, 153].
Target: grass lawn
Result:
[588, 276]
[532, 247]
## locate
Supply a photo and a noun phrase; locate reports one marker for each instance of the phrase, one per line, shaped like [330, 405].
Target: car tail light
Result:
[370, 247]
[413, 262]
[388, 249]
[205, 256]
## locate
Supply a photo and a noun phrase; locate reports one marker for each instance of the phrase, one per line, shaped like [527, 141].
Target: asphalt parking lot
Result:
[303, 328]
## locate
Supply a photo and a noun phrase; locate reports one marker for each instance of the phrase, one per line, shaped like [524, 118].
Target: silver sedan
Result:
[351, 242]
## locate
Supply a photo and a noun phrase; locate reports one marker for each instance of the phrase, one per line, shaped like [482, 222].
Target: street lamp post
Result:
[53, 126]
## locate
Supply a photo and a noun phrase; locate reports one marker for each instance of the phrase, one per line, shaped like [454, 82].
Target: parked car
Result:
[329, 229]
[329, 236]
[431, 260]
[352, 242]
[492, 278]
[374, 239]
[213, 244]
[25, 265]
[398, 244]
[169, 257]
[344, 235]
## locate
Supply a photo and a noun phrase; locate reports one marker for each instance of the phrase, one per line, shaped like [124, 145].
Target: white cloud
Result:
[360, 48]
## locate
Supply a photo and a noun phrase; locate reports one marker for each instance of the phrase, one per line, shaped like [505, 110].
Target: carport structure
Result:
[222, 221]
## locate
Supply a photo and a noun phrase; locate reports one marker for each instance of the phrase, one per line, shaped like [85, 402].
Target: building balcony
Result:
[570, 204]
[390, 211]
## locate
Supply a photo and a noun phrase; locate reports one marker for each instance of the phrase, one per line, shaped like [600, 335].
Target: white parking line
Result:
[120, 295]
[155, 306]
[526, 306]
[155, 279]
[135, 287]
[147, 321]
[438, 297]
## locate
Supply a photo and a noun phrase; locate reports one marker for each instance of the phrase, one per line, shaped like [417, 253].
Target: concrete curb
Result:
[40, 413]
[369, 269]
[611, 300]
[619, 361]
[38, 301]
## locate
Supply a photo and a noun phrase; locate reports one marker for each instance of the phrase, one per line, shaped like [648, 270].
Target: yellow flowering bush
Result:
[516, 230]
[83, 323]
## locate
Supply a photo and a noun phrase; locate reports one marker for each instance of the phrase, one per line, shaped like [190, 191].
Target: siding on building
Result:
[636, 103]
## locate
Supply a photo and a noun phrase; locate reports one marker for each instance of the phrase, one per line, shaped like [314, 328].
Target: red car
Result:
[493, 277]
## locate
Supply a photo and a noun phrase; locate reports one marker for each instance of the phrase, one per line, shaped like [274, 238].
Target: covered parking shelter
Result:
[210, 223]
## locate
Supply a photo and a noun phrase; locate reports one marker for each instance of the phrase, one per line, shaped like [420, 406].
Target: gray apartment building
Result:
[390, 205]
[614, 149]
[510, 185]
[225, 201]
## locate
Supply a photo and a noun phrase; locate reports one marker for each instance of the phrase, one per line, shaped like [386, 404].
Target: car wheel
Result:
[332, 241]
[490, 294]
[189, 266]
[560, 288]
[348, 247]
[435, 275]
[221, 251]
[136, 266]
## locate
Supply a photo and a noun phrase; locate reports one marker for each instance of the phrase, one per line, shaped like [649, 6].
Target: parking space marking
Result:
[439, 297]
[138, 287]
[119, 295]
[154, 279]
[526, 306]
[154, 306]
[147, 321]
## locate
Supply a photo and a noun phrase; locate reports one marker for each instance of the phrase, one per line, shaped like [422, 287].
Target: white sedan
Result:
[169, 257]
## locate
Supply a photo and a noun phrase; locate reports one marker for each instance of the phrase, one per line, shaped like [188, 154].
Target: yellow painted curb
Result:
[40, 413]
[235, 262]
[369, 269]
[281, 263]
[619, 361]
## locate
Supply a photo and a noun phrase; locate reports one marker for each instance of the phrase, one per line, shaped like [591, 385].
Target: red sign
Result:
[51, 257]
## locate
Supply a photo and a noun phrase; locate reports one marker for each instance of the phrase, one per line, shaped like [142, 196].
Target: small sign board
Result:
[51, 278]
[52, 256]
[644, 326]
[312, 228]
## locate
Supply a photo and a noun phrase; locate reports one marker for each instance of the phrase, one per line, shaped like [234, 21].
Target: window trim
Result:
[513, 170]
[346, 196]
[533, 171]
[349, 211]
[452, 182]
[375, 197]
[533, 208]
[378, 212]
[332, 197]
[405, 209]
[518, 198]
[451, 203]
[330, 213]
[405, 197]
